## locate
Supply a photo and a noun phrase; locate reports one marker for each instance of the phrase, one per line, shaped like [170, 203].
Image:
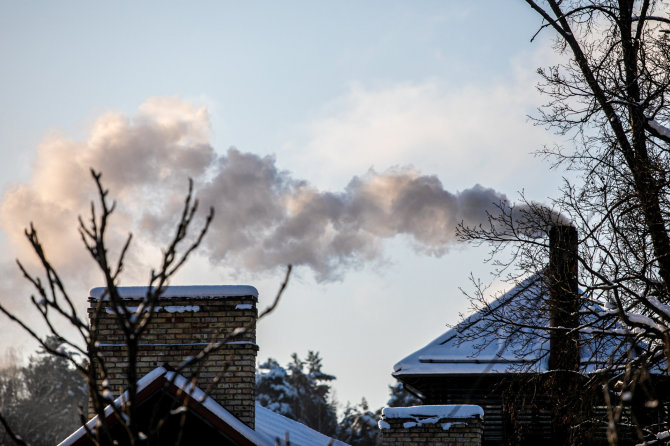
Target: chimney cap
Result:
[181, 292]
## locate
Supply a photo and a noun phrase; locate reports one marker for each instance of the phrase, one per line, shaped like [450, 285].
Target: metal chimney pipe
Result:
[563, 298]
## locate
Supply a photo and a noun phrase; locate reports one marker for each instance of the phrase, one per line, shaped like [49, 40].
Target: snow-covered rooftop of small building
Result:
[270, 426]
[181, 292]
[507, 337]
[419, 416]
[458, 411]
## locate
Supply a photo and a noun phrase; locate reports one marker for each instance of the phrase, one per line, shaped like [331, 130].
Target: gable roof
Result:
[269, 425]
[507, 337]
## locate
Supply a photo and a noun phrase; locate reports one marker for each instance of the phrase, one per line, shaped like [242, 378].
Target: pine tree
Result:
[42, 399]
[359, 426]
[400, 397]
[273, 389]
[301, 393]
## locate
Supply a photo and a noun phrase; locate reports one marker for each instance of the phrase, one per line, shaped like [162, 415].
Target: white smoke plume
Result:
[143, 160]
[264, 216]
[270, 219]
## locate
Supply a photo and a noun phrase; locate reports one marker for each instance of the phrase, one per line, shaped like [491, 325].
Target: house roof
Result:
[507, 337]
[269, 425]
[182, 292]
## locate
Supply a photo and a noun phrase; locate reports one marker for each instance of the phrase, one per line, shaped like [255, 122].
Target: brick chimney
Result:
[563, 298]
[186, 320]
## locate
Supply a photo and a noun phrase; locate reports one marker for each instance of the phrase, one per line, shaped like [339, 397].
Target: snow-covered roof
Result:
[184, 292]
[272, 425]
[455, 411]
[419, 416]
[269, 425]
[504, 338]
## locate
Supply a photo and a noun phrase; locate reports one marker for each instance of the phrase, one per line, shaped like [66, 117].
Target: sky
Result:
[348, 138]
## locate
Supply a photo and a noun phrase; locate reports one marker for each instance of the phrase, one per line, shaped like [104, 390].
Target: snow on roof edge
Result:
[199, 395]
[455, 411]
[141, 384]
[268, 423]
[183, 291]
[194, 391]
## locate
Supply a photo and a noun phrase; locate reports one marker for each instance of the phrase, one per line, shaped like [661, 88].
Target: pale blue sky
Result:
[316, 85]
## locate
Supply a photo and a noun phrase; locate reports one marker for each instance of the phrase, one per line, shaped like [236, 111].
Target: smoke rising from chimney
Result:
[270, 219]
[265, 217]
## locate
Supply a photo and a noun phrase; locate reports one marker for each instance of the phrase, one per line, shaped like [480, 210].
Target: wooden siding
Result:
[516, 408]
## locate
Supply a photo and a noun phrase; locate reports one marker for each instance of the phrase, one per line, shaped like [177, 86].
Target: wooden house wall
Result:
[516, 409]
